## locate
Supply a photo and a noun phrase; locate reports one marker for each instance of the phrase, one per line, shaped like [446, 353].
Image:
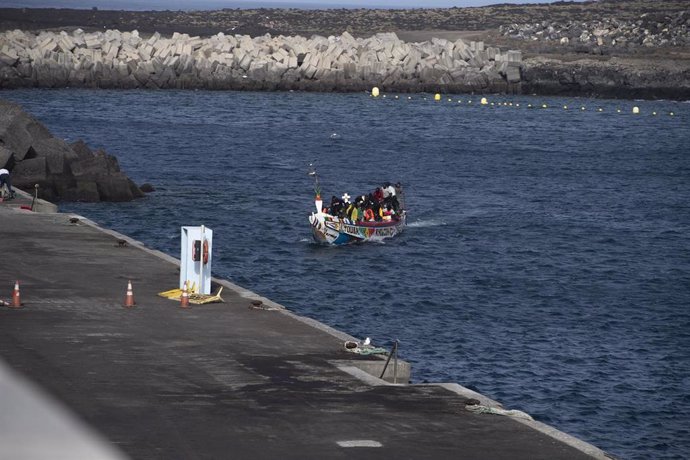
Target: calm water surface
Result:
[547, 260]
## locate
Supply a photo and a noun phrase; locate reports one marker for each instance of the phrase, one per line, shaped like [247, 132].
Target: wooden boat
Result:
[338, 229]
[333, 230]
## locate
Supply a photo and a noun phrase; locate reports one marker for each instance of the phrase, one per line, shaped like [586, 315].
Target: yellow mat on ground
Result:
[194, 297]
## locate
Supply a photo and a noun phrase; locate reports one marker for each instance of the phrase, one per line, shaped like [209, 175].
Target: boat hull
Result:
[331, 230]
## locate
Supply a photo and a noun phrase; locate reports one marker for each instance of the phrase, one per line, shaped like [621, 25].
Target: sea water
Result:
[546, 263]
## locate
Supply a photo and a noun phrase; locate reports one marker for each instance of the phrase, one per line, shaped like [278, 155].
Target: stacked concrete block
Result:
[514, 56]
[65, 43]
[492, 52]
[126, 59]
[8, 56]
[127, 53]
[93, 41]
[145, 52]
[512, 73]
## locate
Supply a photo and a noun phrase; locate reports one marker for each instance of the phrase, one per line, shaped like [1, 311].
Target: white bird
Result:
[366, 342]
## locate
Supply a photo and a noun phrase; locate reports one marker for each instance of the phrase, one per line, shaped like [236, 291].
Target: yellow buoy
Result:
[529, 106]
[543, 106]
[396, 96]
[600, 109]
[671, 114]
[618, 110]
[565, 107]
[450, 100]
[582, 108]
[653, 113]
[409, 98]
[375, 91]
[510, 104]
[517, 105]
[437, 97]
[470, 101]
[636, 110]
[483, 101]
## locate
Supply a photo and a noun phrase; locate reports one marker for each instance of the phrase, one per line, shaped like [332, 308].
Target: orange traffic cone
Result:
[16, 299]
[184, 298]
[129, 298]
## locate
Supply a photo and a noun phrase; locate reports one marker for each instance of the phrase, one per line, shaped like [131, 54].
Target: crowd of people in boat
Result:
[381, 205]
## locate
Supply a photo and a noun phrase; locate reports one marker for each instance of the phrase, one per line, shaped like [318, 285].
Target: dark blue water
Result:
[547, 260]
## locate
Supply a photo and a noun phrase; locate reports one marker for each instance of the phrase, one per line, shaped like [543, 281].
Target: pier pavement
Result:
[85, 377]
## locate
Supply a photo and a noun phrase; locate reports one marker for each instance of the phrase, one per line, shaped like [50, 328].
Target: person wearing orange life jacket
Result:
[368, 215]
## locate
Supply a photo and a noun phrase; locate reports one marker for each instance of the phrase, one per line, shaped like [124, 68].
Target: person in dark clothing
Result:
[336, 206]
[378, 212]
[339, 209]
[378, 194]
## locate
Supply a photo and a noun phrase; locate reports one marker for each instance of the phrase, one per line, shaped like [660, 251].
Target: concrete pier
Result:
[222, 380]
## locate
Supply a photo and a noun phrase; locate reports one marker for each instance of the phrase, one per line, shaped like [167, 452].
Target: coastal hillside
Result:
[610, 48]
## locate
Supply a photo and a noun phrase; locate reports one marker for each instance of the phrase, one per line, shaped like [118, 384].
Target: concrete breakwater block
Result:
[61, 171]
[118, 59]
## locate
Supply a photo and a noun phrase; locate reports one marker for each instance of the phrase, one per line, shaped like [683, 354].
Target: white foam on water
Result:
[427, 223]
[360, 443]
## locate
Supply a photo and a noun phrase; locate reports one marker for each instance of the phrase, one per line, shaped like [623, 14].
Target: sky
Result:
[218, 4]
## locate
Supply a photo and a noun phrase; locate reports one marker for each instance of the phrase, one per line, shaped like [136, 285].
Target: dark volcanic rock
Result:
[62, 172]
[147, 188]
[358, 21]
[614, 78]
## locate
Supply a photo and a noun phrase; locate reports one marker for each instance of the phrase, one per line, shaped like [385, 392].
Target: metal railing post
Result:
[394, 351]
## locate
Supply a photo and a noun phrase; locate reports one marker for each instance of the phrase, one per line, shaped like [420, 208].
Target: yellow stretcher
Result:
[194, 297]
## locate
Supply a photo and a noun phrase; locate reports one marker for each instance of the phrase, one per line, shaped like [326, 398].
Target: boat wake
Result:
[427, 223]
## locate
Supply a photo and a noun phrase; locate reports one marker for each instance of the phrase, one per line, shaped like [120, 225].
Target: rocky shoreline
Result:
[649, 30]
[610, 48]
[56, 170]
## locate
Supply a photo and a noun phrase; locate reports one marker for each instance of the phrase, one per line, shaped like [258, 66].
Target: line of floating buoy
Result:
[375, 92]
